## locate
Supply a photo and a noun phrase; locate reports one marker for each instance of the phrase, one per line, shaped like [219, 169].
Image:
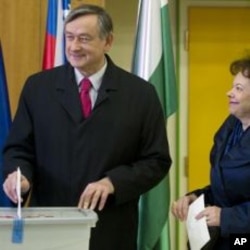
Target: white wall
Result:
[124, 14]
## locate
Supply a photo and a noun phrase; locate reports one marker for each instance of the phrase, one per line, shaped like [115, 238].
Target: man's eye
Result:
[69, 38]
[84, 39]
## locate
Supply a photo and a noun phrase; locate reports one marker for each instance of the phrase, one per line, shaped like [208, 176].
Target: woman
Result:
[227, 197]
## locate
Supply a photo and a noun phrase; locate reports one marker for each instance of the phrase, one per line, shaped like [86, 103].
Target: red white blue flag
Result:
[54, 39]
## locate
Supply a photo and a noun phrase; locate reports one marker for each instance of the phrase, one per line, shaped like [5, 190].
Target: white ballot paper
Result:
[18, 191]
[197, 230]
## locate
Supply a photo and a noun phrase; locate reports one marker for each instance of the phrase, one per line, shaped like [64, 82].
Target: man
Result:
[103, 160]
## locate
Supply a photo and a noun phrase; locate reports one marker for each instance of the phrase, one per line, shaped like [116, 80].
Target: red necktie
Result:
[85, 97]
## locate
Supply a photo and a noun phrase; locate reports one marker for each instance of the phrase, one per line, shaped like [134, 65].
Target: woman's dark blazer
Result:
[230, 182]
[60, 152]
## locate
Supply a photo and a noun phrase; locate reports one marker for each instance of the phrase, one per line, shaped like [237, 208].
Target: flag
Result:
[5, 122]
[54, 39]
[153, 60]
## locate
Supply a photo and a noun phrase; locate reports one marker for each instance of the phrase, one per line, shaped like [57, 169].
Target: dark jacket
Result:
[230, 182]
[60, 152]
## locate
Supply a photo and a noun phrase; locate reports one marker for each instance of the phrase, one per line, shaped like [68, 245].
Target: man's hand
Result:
[9, 186]
[96, 193]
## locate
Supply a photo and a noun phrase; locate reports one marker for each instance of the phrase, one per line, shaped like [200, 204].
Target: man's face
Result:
[85, 50]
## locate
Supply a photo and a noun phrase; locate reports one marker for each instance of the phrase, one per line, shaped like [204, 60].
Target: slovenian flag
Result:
[54, 40]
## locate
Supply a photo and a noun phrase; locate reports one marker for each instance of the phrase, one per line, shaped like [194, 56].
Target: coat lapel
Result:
[221, 139]
[68, 95]
[109, 83]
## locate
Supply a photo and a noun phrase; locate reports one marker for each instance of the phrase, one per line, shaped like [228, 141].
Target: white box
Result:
[57, 228]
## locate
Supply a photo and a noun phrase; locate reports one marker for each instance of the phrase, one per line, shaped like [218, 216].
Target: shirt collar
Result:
[96, 78]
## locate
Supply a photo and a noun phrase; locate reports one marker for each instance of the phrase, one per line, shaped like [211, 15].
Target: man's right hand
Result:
[9, 186]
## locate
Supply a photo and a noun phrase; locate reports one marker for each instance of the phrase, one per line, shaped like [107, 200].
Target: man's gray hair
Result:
[104, 19]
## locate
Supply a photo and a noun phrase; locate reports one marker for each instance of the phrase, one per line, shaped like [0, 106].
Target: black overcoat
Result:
[60, 152]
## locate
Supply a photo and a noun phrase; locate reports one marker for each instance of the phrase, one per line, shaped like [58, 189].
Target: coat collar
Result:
[67, 90]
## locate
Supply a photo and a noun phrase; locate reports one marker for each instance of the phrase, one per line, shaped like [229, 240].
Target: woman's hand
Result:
[212, 215]
[180, 207]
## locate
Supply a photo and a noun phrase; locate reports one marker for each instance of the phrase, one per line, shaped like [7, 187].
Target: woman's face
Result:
[239, 97]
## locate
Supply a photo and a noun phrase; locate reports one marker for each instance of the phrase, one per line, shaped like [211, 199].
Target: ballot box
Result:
[57, 228]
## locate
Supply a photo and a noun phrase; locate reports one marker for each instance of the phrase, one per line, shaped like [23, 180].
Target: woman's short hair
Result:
[241, 65]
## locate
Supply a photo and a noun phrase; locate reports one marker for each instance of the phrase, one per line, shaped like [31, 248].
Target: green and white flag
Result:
[153, 60]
